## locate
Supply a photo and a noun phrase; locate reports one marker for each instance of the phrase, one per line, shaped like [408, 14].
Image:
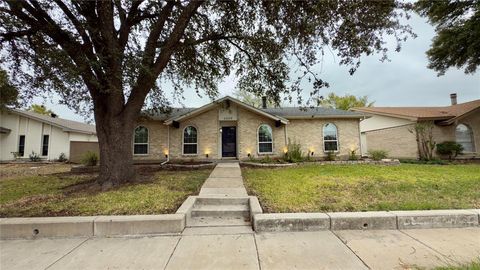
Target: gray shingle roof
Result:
[69, 125]
[310, 112]
[175, 112]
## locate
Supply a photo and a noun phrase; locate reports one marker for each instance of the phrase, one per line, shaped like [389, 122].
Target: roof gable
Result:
[194, 112]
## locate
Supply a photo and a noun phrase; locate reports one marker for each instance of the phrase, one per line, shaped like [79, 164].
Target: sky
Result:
[403, 81]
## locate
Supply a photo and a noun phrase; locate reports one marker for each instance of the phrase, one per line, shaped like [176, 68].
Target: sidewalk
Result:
[302, 250]
[225, 181]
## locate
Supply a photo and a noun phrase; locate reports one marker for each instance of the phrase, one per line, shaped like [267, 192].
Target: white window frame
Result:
[336, 138]
[258, 140]
[147, 143]
[184, 143]
[472, 137]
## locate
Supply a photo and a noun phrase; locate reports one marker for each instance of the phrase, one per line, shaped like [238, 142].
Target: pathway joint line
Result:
[173, 251]
[356, 255]
[258, 254]
[66, 254]
[431, 248]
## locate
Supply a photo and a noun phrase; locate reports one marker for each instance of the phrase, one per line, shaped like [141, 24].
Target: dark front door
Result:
[229, 141]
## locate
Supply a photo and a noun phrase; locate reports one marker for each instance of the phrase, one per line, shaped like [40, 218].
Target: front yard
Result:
[319, 188]
[51, 191]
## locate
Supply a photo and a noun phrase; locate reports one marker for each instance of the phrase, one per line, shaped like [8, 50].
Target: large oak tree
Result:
[113, 57]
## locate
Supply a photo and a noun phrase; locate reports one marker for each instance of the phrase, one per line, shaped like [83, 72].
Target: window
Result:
[190, 141]
[140, 142]
[330, 138]
[21, 146]
[45, 145]
[464, 137]
[265, 139]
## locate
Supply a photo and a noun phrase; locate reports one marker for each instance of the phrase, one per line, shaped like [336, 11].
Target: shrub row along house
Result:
[230, 129]
[23, 133]
[393, 128]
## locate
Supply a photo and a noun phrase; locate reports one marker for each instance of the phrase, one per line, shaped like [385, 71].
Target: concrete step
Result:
[221, 201]
[218, 230]
[227, 210]
[217, 221]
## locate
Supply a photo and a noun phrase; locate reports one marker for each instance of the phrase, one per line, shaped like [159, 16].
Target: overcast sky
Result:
[404, 81]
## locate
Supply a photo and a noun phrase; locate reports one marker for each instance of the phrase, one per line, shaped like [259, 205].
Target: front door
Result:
[229, 141]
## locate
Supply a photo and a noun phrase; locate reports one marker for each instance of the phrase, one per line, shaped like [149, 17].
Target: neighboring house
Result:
[230, 129]
[391, 128]
[25, 132]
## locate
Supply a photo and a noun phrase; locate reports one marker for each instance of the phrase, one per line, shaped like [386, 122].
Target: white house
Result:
[24, 132]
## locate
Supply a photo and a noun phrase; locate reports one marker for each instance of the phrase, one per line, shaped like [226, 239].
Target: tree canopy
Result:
[345, 102]
[457, 40]
[8, 92]
[116, 56]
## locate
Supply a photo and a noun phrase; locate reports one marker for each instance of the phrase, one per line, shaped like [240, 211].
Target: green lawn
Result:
[317, 188]
[67, 194]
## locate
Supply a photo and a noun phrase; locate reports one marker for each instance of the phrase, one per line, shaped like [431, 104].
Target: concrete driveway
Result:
[239, 248]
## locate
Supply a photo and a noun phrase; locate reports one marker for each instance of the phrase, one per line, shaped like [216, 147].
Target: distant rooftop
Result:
[68, 125]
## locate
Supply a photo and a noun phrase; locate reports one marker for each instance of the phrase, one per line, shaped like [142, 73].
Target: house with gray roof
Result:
[230, 129]
[23, 133]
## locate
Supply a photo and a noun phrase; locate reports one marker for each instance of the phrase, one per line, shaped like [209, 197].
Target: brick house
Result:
[230, 129]
[390, 128]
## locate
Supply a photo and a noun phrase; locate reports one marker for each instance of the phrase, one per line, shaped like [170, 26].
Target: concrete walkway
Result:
[205, 249]
[225, 181]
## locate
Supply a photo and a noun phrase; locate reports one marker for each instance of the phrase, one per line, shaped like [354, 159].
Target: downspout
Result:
[360, 136]
[168, 146]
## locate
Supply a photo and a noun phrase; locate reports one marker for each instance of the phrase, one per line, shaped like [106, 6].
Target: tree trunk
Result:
[115, 134]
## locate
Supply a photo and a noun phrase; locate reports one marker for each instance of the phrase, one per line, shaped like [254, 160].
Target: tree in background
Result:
[40, 109]
[8, 92]
[250, 98]
[457, 40]
[345, 102]
[116, 56]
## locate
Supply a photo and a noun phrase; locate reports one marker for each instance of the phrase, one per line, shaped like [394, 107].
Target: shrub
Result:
[294, 152]
[34, 157]
[353, 155]
[15, 155]
[450, 149]
[90, 158]
[62, 157]
[330, 156]
[378, 154]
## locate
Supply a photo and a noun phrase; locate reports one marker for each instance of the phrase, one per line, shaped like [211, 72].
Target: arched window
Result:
[464, 137]
[140, 141]
[330, 137]
[190, 141]
[265, 139]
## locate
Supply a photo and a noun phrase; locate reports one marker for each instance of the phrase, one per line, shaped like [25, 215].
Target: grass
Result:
[317, 188]
[475, 265]
[71, 195]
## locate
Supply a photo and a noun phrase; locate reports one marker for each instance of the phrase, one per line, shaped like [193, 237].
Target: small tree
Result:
[424, 134]
[40, 109]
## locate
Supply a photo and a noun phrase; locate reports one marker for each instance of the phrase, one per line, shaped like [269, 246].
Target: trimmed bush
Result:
[450, 149]
[353, 155]
[90, 159]
[378, 154]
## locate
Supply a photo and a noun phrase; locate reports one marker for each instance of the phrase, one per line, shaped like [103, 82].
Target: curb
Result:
[52, 227]
[381, 220]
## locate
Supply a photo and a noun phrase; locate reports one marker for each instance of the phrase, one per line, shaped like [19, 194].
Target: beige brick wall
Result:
[157, 140]
[208, 132]
[306, 132]
[247, 126]
[309, 133]
[398, 141]
[447, 133]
